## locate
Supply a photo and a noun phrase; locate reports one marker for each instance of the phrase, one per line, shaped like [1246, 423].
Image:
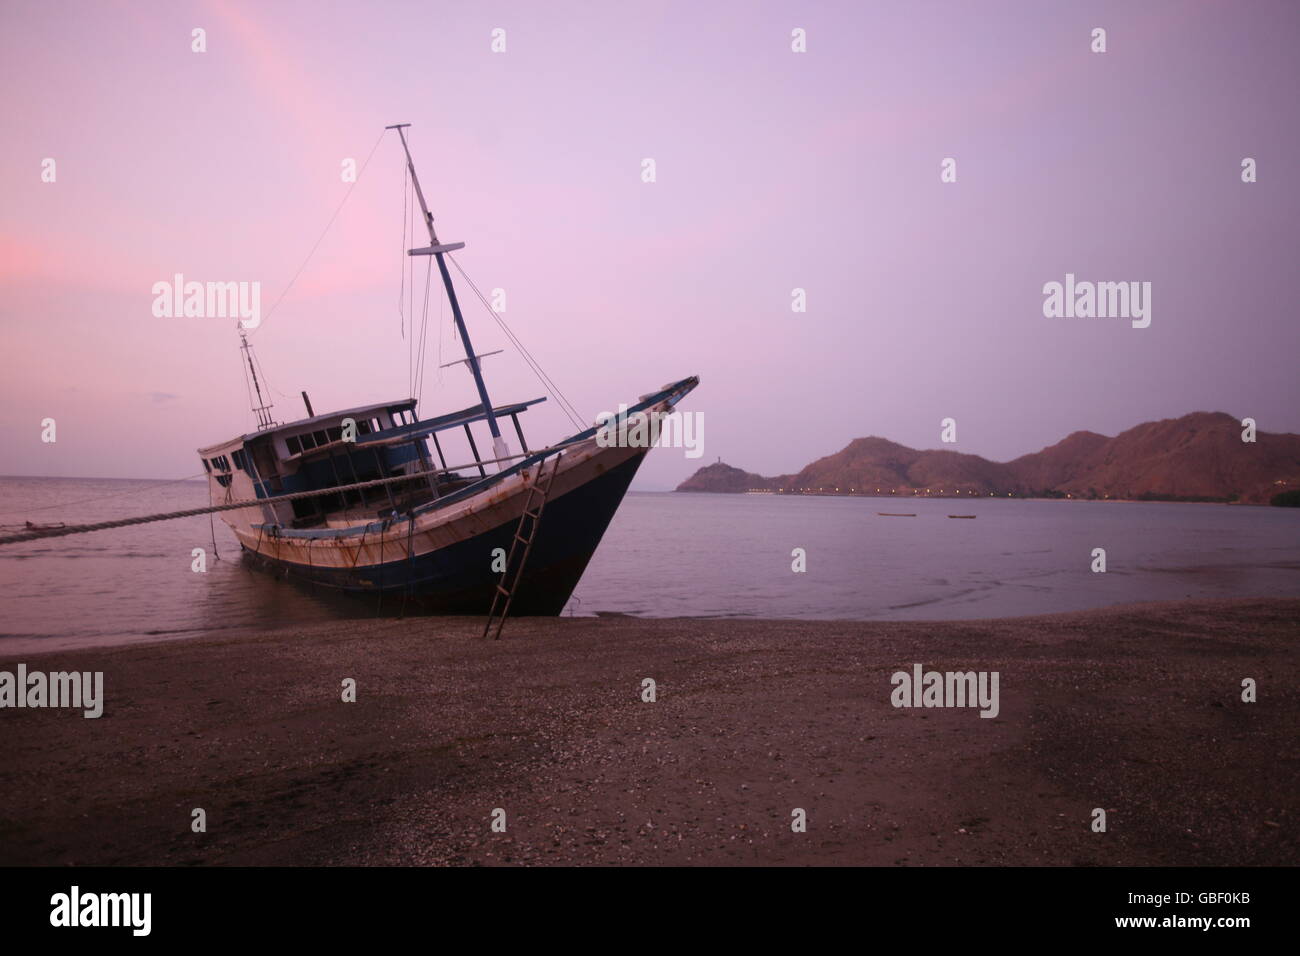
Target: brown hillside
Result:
[1200, 455]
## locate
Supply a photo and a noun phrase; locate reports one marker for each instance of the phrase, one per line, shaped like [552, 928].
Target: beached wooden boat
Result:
[515, 528]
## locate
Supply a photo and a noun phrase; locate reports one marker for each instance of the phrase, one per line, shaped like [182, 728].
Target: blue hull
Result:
[459, 579]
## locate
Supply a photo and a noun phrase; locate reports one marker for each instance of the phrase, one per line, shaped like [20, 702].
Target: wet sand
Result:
[1136, 710]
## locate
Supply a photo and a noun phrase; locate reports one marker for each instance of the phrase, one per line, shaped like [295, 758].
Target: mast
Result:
[263, 408]
[500, 448]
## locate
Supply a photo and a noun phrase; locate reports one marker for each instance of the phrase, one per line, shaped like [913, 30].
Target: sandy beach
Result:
[1136, 710]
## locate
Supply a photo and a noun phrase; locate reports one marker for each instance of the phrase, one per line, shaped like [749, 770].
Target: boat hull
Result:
[458, 578]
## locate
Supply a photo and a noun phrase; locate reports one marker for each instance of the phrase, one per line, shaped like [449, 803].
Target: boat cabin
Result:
[383, 440]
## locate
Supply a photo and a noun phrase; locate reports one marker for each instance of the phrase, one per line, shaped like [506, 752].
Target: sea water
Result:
[665, 554]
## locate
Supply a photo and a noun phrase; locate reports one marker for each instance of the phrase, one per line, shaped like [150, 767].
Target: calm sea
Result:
[665, 555]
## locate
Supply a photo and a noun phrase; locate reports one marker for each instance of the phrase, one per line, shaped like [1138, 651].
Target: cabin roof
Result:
[405, 433]
[360, 410]
[389, 436]
[441, 423]
[330, 416]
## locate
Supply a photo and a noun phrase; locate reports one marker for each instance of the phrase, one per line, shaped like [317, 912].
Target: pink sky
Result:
[776, 170]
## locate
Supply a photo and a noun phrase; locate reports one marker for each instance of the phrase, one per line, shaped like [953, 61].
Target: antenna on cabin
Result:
[499, 446]
[262, 408]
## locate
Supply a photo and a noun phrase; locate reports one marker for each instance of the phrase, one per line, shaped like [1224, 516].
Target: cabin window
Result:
[240, 461]
[335, 433]
[223, 481]
[206, 466]
[308, 443]
[363, 427]
[321, 438]
[294, 444]
[375, 425]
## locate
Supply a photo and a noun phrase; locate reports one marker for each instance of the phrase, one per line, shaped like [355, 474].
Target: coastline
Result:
[758, 493]
[1133, 709]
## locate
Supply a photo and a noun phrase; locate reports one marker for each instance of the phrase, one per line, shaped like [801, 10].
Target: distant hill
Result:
[1198, 457]
[724, 478]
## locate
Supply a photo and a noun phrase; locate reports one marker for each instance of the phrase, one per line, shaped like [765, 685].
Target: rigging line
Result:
[538, 370]
[545, 379]
[401, 291]
[115, 494]
[565, 405]
[417, 375]
[257, 360]
[266, 381]
[408, 240]
[408, 275]
[321, 238]
[247, 385]
[424, 329]
[417, 341]
[410, 299]
[259, 374]
[442, 323]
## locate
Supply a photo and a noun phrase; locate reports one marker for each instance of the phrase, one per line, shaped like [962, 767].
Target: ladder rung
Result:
[535, 492]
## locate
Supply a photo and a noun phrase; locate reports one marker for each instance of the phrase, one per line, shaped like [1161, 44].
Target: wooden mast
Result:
[262, 408]
[438, 250]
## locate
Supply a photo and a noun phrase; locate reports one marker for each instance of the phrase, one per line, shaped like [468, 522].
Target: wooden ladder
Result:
[526, 531]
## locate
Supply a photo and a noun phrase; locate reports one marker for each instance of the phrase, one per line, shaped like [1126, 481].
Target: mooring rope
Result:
[114, 494]
[40, 534]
